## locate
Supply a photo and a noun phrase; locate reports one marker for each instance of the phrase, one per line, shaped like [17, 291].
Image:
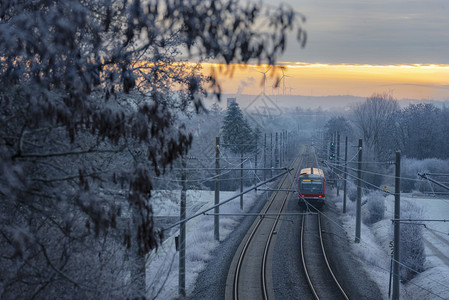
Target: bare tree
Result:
[375, 120]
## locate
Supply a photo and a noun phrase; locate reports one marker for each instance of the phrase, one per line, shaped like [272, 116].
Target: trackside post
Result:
[358, 219]
[217, 190]
[397, 216]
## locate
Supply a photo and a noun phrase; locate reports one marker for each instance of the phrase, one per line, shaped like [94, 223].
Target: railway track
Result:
[250, 273]
[320, 278]
[323, 284]
[249, 276]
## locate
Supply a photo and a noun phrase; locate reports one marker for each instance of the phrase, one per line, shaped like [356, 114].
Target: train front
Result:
[311, 188]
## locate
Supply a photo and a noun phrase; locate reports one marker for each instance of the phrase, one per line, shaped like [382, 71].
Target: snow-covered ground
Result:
[374, 248]
[373, 251]
[163, 264]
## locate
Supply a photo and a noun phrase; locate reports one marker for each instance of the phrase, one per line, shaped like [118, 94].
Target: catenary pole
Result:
[217, 190]
[265, 156]
[271, 154]
[285, 145]
[255, 161]
[358, 219]
[397, 216]
[338, 162]
[345, 175]
[182, 233]
[282, 148]
[276, 151]
[241, 174]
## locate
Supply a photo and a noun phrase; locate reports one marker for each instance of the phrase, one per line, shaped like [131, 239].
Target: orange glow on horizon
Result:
[413, 81]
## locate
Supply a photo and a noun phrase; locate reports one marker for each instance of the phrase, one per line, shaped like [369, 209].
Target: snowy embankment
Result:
[374, 249]
[163, 265]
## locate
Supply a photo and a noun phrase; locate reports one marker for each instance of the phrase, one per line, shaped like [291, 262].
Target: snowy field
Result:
[163, 264]
[374, 248]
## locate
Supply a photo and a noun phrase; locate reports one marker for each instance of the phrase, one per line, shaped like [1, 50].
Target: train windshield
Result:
[311, 186]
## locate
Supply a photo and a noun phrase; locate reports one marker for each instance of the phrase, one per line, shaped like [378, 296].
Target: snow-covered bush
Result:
[412, 254]
[351, 208]
[351, 189]
[375, 207]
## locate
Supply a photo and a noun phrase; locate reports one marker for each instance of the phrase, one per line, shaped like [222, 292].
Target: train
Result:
[312, 187]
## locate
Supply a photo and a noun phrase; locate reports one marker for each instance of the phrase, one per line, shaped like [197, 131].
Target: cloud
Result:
[373, 32]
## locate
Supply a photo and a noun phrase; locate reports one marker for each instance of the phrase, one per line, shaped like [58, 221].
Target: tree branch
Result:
[68, 153]
[68, 177]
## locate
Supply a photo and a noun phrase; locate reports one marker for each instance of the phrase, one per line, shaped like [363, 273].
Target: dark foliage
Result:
[422, 131]
[339, 124]
[237, 134]
[90, 92]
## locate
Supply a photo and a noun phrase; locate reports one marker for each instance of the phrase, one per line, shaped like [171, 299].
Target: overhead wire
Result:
[361, 179]
[385, 175]
[212, 177]
[435, 230]
[446, 201]
[344, 230]
[330, 219]
[363, 242]
[375, 173]
[402, 264]
[369, 172]
[337, 224]
[326, 216]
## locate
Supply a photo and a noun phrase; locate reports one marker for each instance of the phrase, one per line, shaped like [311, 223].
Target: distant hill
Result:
[334, 103]
[288, 102]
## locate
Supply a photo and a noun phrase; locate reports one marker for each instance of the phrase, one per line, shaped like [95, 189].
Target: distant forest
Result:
[417, 130]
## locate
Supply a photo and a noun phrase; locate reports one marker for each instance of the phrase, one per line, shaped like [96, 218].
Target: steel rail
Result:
[309, 280]
[306, 271]
[267, 245]
[327, 261]
[248, 241]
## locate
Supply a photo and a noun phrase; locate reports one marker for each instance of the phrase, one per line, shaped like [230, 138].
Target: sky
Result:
[359, 47]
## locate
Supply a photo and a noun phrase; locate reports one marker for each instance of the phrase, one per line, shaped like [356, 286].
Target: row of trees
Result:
[418, 130]
[91, 93]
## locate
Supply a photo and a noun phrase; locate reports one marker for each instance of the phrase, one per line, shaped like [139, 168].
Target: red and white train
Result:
[312, 187]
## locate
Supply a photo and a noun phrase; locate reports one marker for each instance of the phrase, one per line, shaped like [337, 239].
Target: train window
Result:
[311, 186]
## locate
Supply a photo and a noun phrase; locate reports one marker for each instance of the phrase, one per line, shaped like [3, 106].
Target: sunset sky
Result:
[359, 47]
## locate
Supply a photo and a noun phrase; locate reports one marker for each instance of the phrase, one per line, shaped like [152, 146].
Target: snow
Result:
[163, 264]
[436, 240]
[374, 248]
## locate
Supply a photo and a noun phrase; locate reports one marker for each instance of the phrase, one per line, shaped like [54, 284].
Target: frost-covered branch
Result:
[68, 153]
[98, 88]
